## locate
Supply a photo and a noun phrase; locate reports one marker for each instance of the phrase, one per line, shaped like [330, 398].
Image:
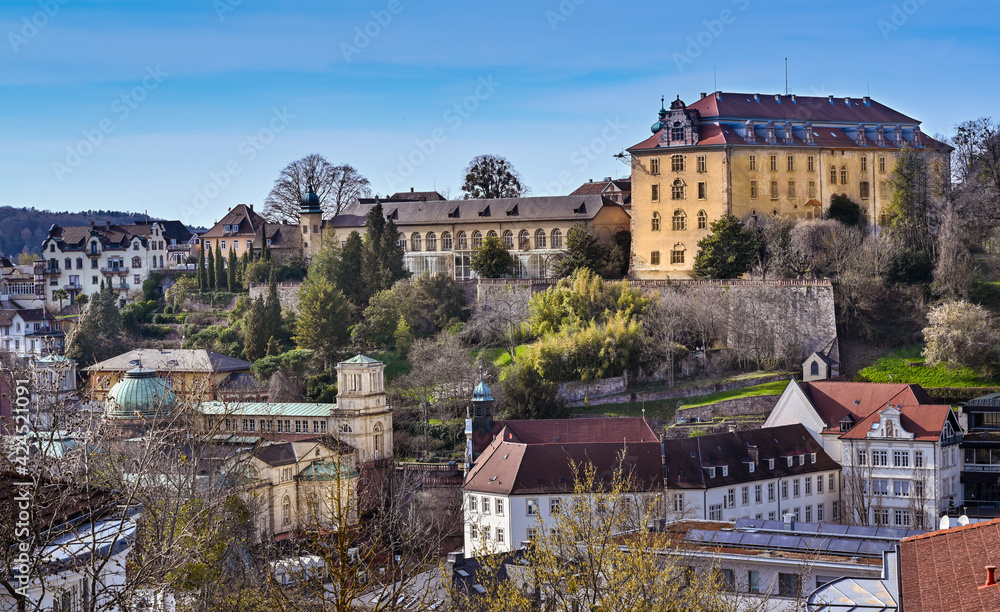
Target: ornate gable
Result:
[680, 126]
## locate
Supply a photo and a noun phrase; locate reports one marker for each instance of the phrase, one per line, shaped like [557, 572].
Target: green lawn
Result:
[906, 365]
[665, 409]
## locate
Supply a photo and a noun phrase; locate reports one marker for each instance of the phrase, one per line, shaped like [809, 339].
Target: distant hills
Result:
[23, 229]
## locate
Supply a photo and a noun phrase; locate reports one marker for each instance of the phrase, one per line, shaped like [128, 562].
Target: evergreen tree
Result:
[347, 274]
[728, 252]
[99, 335]
[231, 276]
[382, 256]
[201, 270]
[272, 309]
[210, 277]
[583, 250]
[323, 318]
[273, 347]
[492, 259]
[392, 256]
[265, 249]
[220, 271]
[255, 339]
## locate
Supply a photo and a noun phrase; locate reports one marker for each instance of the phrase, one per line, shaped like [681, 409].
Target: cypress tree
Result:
[347, 275]
[211, 267]
[231, 277]
[255, 342]
[272, 309]
[220, 271]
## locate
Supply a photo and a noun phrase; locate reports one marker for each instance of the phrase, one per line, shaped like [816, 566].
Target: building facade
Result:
[241, 229]
[759, 474]
[440, 236]
[193, 374]
[77, 260]
[899, 452]
[30, 333]
[981, 454]
[758, 155]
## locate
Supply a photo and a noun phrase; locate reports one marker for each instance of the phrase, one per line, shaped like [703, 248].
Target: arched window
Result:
[401, 241]
[523, 239]
[540, 239]
[446, 241]
[677, 163]
[677, 132]
[833, 175]
[677, 190]
[415, 241]
[843, 175]
[557, 238]
[491, 234]
[702, 220]
[814, 368]
[286, 510]
[508, 239]
[137, 262]
[432, 241]
[679, 221]
[477, 239]
[677, 254]
[656, 222]
[463, 242]
[379, 440]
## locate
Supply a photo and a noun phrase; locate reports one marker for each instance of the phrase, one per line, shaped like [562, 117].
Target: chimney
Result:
[847, 101]
[754, 453]
[251, 208]
[868, 101]
[411, 189]
[703, 94]
[793, 98]
[991, 579]
[789, 521]
[718, 95]
[756, 98]
[830, 98]
[591, 180]
[777, 98]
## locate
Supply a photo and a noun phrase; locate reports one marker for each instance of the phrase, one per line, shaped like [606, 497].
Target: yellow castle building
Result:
[754, 155]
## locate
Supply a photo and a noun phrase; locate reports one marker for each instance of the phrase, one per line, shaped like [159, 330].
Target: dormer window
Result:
[725, 470]
[846, 423]
[791, 460]
[812, 457]
[751, 466]
[802, 459]
[770, 464]
[711, 472]
[677, 132]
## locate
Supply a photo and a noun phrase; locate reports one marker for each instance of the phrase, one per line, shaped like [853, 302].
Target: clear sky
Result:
[185, 108]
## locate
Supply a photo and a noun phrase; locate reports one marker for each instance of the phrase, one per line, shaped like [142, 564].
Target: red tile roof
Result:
[942, 571]
[925, 422]
[834, 400]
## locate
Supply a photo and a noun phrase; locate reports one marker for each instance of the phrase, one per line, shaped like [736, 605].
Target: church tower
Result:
[311, 222]
[363, 416]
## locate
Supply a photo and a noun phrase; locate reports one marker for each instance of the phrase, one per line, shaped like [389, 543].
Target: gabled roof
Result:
[558, 208]
[925, 422]
[688, 459]
[593, 187]
[942, 571]
[241, 215]
[172, 360]
[833, 400]
[171, 229]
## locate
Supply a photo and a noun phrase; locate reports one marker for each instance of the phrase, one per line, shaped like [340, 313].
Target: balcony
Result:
[981, 467]
[51, 270]
[73, 287]
[115, 270]
[121, 285]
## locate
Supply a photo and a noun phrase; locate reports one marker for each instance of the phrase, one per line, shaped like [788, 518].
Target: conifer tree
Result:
[382, 256]
[99, 335]
[322, 319]
[210, 277]
[272, 309]
[255, 340]
[348, 273]
[231, 277]
[220, 271]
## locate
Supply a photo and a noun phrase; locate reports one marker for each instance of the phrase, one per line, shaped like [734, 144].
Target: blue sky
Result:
[185, 108]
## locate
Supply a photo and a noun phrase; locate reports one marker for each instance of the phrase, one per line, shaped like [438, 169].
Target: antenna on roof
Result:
[786, 76]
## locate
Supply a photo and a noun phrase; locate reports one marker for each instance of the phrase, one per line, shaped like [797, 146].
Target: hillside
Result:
[25, 228]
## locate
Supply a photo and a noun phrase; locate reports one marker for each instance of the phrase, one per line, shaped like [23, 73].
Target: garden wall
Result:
[288, 294]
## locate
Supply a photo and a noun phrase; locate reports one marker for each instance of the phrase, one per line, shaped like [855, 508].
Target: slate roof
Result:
[275, 455]
[804, 108]
[942, 571]
[688, 459]
[598, 187]
[557, 208]
[171, 229]
[172, 360]
[75, 238]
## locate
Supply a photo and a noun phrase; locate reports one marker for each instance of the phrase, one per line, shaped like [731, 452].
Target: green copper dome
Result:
[141, 394]
[482, 393]
[310, 202]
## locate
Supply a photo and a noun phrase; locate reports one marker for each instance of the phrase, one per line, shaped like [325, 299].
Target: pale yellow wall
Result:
[725, 168]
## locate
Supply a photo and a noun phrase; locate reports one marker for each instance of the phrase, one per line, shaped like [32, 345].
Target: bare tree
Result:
[336, 187]
[858, 496]
[954, 271]
[500, 313]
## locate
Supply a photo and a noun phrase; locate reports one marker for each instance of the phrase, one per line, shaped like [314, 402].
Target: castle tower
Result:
[363, 416]
[311, 222]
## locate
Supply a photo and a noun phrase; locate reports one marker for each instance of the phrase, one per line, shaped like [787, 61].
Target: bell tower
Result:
[311, 222]
[363, 416]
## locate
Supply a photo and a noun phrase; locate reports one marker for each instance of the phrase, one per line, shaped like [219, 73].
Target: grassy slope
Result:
[906, 365]
[665, 409]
